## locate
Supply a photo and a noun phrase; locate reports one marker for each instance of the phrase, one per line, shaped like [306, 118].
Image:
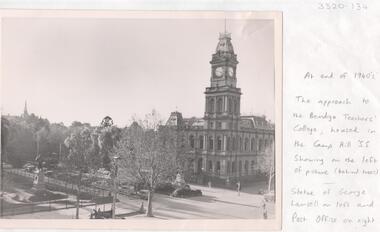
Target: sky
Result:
[72, 69]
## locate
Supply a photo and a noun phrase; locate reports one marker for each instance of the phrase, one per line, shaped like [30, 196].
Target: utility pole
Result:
[38, 147]
[60, 150]
[115, 159]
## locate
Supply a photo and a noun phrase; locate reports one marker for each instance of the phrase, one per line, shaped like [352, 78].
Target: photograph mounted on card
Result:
[163, 119]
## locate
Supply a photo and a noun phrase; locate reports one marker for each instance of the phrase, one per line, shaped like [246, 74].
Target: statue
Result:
[179, 180]
[38, 181]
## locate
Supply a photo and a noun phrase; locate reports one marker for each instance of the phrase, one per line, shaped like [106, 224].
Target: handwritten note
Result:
[336, 136]
[331, 151]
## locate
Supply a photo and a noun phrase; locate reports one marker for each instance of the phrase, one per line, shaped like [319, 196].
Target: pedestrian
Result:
[264, 207]
[238, 186]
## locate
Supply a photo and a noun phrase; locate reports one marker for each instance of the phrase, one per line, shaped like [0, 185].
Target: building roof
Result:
[194, 122]
[255, 122]
[175, 119]
[248, 122]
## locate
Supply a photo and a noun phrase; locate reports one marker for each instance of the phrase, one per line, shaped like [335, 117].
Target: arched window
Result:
[271, 144]
[219, 143]
[252, 144]
[240, 166]
[191, 141]
[200, 161]
[217, 167]
[233, 166]
[228, 167]
[228, 145]
[235, 106]
[260, 145]
[211, 104]
[246, 163]
[209, 166]
[211, 143]
[218, 125]
[201, 141]
[219, 105]
[240, 143]
[252, 166]
[246, 144]
[234, 144]
[229, 105]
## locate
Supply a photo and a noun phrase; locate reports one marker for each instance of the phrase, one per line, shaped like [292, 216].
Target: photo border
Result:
[172, 224]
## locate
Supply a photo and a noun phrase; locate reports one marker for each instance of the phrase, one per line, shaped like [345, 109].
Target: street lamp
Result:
[115, 169]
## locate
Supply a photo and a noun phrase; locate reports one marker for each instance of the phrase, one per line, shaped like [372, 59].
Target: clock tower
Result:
[223, 97]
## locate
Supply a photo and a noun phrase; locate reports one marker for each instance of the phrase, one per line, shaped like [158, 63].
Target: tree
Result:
[80, 157]
[108, 136]
[4, 137]
[147, 155]
[21, 144]
[41, 140]
[267, 164]
[56, 138]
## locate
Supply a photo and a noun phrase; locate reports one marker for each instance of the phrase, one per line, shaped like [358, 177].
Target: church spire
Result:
[26, 109]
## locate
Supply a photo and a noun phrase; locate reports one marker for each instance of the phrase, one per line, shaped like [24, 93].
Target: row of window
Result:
[231, 166]
[232, 144]
[232, 105]
[218, 125]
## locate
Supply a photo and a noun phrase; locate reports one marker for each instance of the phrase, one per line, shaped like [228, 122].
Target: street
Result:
[216, 203]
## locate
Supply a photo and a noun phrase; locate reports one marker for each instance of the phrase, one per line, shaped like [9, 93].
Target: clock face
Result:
[219, 71]
[230, 71]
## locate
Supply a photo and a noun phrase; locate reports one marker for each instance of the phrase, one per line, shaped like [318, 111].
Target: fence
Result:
[38, 207]
[64, 186]
[90, 196]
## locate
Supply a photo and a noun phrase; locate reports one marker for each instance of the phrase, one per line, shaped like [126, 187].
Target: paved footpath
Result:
[216, 203]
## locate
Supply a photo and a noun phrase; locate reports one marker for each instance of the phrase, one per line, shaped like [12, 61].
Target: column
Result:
[225, 104]
[214, 143]
[215, 110]
[224, 143]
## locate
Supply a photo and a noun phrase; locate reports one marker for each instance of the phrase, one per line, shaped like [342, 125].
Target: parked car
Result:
[186, 192]
[164, 188]
[126, 189]
[29, 167]
[6, 165]
[143, 194]
[48, 172]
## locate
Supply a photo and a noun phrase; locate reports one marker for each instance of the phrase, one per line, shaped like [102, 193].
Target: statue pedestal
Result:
[179, 181]
[39, 182]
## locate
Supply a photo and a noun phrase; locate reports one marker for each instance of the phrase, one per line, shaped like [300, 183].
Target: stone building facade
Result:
[223, 144]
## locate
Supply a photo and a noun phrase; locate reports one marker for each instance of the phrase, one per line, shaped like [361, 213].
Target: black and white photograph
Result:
[157, 116]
